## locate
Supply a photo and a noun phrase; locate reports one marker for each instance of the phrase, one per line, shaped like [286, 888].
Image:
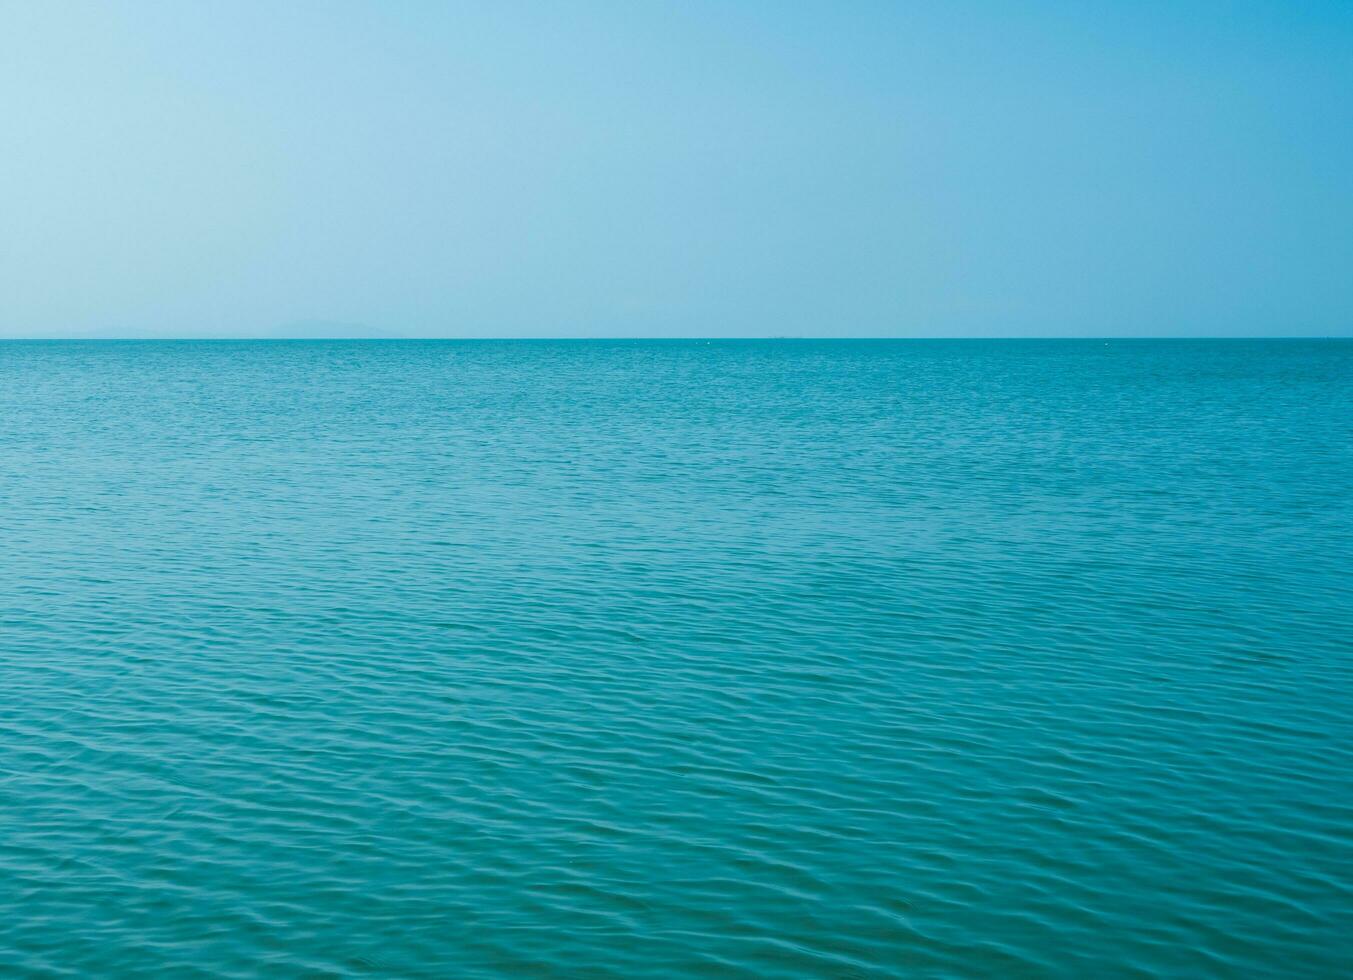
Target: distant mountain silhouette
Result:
[296, 330]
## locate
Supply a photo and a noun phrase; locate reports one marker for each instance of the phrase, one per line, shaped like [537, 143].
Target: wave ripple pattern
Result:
[676, 659]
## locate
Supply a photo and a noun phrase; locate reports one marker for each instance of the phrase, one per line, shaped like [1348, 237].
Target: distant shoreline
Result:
[255, 339]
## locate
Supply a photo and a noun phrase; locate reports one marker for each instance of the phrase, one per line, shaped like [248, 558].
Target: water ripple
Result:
[674, 659]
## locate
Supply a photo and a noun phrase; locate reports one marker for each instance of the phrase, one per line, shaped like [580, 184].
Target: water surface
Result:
[772, 659]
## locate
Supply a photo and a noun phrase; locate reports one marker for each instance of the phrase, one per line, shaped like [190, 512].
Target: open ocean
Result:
[676, 659]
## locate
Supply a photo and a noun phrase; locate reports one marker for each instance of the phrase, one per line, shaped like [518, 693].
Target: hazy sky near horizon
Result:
[677, 169]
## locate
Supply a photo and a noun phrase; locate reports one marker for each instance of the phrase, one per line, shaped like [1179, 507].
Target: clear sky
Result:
[676, 169]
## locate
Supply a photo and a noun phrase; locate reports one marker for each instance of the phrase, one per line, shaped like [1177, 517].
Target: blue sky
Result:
[676, 169]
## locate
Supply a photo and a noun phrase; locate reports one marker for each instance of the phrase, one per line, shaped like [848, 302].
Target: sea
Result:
[628, 659]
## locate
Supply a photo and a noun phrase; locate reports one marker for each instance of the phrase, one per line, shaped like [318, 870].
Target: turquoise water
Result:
[773, 659]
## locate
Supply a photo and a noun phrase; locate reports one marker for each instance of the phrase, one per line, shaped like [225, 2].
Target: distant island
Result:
[293, 330]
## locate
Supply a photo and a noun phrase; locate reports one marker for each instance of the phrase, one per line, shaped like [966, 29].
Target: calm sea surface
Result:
[618, 660]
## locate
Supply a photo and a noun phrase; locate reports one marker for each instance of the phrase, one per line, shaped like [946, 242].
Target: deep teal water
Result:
[777, 659]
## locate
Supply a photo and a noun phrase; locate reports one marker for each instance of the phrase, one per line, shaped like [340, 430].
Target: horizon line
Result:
[387, 338]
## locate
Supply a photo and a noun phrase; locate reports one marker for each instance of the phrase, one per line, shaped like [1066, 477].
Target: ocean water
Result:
[676, 659]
